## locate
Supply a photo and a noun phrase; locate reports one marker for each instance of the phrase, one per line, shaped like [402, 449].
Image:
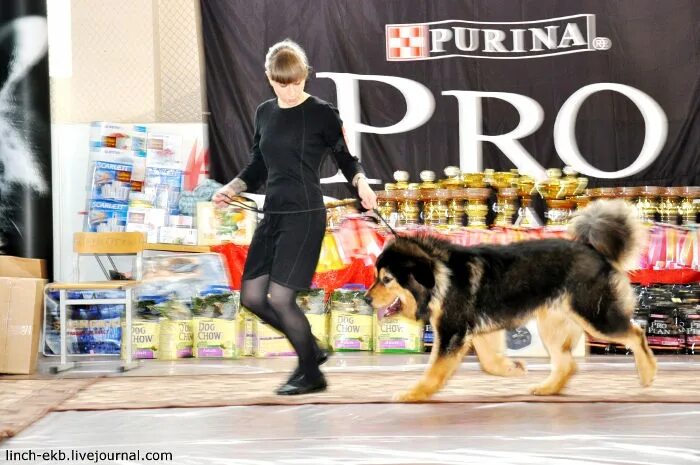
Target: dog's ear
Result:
[422, 271]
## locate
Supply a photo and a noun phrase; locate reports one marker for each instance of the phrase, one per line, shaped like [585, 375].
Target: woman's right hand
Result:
[229, 192]
[223, 197]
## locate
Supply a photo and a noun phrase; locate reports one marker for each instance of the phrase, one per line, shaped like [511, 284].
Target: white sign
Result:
[420, 105]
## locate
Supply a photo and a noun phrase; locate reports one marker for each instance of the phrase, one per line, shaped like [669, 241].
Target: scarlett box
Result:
[22, 282]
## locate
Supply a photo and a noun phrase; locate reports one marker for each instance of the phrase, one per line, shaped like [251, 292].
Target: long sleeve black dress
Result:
[289, 147]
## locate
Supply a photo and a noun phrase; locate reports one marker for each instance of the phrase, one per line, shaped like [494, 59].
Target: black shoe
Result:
[302, 385]
[321, 358]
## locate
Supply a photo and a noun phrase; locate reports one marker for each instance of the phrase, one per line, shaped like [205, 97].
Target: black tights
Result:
[276, 305]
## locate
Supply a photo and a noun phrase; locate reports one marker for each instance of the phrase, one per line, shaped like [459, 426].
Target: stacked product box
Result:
[117, 167]
[135, 183]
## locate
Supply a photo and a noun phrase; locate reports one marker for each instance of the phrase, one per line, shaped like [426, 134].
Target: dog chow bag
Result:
[351, 322]
[398, 334]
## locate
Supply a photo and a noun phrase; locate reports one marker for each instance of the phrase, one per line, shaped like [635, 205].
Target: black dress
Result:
[288, 150]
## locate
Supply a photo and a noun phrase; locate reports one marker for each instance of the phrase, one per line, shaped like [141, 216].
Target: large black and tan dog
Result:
[468, 292]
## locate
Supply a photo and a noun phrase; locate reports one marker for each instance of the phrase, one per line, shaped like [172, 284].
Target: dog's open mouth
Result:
[391, 309]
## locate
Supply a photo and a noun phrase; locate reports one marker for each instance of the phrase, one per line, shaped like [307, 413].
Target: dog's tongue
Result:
[388, 310]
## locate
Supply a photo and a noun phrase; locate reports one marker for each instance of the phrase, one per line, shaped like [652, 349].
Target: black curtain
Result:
[654, 47]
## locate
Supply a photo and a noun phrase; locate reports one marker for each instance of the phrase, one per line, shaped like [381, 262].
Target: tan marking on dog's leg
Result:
[560, 334]
[636, 340]
[439, 371]
[490, 350]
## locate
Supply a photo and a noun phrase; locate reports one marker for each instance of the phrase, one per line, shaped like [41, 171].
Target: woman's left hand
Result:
[367, 195]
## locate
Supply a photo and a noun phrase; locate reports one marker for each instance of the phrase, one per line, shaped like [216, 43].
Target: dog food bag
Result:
[216, 301]
[175, 327]
[428, 338]
[351, 321]
[666, 329]
[247, 327]
[313, 304]
[216, 323]
[692, 329]
[271, 343]
[398, 334]
[176, 339]
[145, 339]
[145, 328]
[215, 338]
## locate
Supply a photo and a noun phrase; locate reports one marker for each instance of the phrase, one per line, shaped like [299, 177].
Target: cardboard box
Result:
[15, 267]
[22, 282]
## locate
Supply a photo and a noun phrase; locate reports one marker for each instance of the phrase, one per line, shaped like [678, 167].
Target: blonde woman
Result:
[293, 134]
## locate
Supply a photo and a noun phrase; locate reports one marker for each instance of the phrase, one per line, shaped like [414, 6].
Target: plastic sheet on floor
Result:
[511, 433]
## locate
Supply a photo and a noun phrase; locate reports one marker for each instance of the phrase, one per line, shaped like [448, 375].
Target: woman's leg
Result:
[296, 327]
[254, 298]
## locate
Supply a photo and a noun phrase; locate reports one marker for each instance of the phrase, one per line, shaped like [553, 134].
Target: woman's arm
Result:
[252, 176]
[348, 164]
[255, 174]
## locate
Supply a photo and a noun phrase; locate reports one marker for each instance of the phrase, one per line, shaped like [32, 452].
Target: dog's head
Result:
[404, 282]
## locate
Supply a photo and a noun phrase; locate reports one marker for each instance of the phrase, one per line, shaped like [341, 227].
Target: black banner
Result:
[611, 88]
[25, 142]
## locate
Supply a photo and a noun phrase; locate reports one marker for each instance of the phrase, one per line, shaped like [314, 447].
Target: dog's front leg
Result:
[444, 360]
[490, 350]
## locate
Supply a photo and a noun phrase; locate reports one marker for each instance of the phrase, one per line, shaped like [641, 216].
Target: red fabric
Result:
[235, 256]
[680, 276]
[356, 272]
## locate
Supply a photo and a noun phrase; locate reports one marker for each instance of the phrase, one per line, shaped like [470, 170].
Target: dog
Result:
[468, 293]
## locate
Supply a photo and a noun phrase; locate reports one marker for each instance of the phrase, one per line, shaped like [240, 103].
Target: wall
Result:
[126, 61]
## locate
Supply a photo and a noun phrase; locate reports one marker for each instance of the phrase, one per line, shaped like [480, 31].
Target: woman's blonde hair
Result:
[286, 62]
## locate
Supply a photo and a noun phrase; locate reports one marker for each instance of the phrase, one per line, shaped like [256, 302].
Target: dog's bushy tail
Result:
[613, 229]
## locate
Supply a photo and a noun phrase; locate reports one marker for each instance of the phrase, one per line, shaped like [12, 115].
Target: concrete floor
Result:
[509, 433]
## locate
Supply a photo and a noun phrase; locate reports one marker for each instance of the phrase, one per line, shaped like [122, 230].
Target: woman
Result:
[293, 132]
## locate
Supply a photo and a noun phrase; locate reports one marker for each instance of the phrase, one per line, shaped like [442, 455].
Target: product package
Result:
[146, 220]
[164, 150]
[92, 329]
[162, 188]
[351, 321]
[174, 235]
[217, 323]
[231, 224]
[398, 334]
[111, 181]
[106, 216]
[312, 303]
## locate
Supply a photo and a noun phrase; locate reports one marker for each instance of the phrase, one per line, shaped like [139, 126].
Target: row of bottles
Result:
[460, 199]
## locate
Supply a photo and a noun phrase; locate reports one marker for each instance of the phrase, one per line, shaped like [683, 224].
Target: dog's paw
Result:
[647, 379]
[410, 396]
[506, 368]
[516, 368]
[545, 390]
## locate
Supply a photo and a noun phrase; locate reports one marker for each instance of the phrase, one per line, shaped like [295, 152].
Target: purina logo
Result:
[495, 40]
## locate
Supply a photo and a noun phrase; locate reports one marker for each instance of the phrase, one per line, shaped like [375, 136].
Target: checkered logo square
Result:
[406, 42]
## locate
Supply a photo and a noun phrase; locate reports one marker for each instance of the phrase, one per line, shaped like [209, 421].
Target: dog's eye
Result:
[386, 280]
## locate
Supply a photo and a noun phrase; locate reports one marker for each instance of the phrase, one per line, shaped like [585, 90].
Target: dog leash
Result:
[386, 223]
[244, 206]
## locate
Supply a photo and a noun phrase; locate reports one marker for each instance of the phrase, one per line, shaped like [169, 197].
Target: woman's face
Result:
[289, 95]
